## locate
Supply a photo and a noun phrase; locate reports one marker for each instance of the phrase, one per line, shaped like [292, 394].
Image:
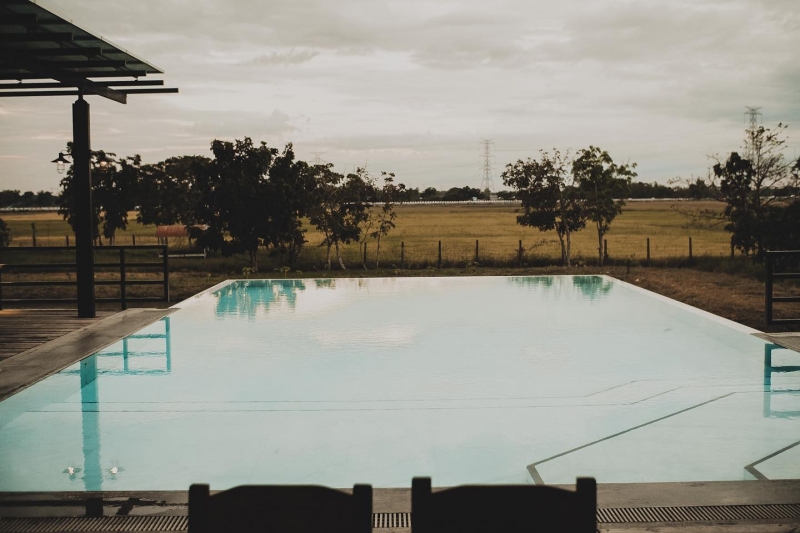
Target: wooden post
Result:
[519, 253]
[134, 239]
[690, 247]
[166, 273]
[123, 303]
[33, 233]
[83, 216]
[476, 250]
[439, 263]
[648, 251]
[768, 290]
[402, 252]
[1, 287]
[66, 237]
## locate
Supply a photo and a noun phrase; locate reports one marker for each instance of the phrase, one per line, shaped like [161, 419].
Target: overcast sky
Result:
[413, 86]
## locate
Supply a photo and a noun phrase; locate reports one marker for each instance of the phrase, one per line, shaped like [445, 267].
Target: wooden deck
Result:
[23, 329]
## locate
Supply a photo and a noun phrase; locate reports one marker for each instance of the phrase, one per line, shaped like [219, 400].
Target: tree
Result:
[168, 190]
[234, 195]
[289, 196]
[338, 207]
[757, 218]
[429, 193]
[389, 195]
[603, 186]
[5, 234]
[550, 199]
[115, 191]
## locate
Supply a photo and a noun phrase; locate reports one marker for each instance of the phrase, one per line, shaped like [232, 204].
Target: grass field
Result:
[421, 227]
[732, 288]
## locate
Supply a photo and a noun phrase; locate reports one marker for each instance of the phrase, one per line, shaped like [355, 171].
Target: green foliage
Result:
[339, 206]
[463, 194]
[168, 192]
[390, 193]
[550, 197]
[234, 192]
[603, 185]
[114, 192]
[758, 219]
[5, 234]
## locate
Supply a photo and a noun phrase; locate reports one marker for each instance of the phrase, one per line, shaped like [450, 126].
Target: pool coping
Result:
[30, 367]
[398, 500]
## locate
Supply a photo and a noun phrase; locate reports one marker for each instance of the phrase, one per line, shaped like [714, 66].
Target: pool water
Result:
[466, 380]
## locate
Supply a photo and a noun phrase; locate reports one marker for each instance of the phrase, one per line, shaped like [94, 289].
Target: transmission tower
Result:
[753, 113]
[317, 159]
[486, 180]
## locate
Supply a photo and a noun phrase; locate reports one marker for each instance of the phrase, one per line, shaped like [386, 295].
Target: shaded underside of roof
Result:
[44, 54]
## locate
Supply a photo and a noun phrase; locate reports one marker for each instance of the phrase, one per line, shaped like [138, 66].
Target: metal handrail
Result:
[769, 296]
[122, 282]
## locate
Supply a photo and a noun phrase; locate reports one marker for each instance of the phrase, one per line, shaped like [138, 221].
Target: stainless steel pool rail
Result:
[773, 262]
[123, 267]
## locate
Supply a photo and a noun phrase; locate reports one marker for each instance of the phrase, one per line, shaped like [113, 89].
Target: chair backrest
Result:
[503, 508]
[280, 509]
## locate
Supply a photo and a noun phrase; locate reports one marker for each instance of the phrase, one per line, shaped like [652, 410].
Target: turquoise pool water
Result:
[467, 380]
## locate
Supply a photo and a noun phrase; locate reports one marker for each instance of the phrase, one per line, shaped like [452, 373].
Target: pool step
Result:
[608, 515]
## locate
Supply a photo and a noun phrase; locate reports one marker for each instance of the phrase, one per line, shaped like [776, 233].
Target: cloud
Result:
[289, 57]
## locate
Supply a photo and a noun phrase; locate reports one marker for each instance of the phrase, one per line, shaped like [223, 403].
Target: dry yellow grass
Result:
[420, 227]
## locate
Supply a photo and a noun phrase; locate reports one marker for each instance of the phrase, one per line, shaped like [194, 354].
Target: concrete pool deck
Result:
[78, 338]
[704, 507]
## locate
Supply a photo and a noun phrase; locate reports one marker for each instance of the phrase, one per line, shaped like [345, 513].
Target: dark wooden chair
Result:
[280, 509]
[503, 508]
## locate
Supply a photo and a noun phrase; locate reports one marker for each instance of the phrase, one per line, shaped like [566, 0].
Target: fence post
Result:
[33, 233]
[134, 239]
[648, 251]
[166, 274]
[123, 303]
[476, 250]
[768, 290]
[519, 253]
[402, 253]
[690, 247]
[1, 287]
[66, 237]
[439, 263]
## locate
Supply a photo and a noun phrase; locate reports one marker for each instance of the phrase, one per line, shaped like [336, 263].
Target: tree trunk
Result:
[254, 259]
[328, 258]
[600, 245]
[378, 253]
[339, 256]
[569, 248]
[563, 249]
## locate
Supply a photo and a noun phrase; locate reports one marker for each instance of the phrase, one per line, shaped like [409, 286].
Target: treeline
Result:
[15, 198]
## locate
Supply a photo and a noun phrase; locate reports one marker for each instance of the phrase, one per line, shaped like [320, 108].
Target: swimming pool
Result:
[466, 380]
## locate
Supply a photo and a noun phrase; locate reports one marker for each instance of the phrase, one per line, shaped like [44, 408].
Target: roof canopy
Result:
[37, 44]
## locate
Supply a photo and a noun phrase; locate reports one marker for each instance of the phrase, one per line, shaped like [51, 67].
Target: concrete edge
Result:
[27, 368]
[392, 500]
[686, 307]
